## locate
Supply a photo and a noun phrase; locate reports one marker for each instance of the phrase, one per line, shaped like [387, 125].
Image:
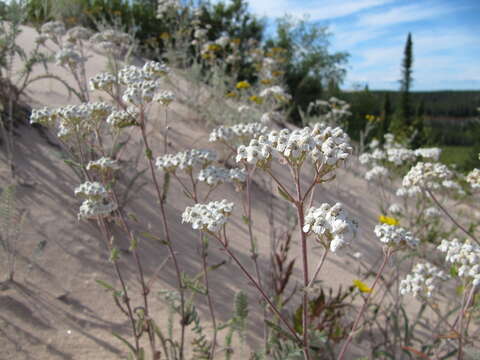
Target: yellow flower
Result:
[231, 94]
[388, 220]
[214, 47]
[256, 99]
[243, 85]
[361, 286]
[165, 36]
[266, 81]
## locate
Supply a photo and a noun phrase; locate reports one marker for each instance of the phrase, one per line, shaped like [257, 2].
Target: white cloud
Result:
[315, 10]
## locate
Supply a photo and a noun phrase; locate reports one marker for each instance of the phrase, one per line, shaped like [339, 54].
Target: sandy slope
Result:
[56, 309]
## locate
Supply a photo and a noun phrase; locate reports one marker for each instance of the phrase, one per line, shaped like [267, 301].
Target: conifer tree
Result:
[403, 120]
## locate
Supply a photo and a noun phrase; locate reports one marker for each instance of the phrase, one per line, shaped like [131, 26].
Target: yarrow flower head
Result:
[325, 146]
[104, 164]
[422, 281]
[465, 256]
[186, 160]
[428, 176]
[377, 173]
[473, 178]
[395, 236]
[332, 226]
[208, 217]
[96, 203]
[214, 175]
[102, 81]
[238, 133]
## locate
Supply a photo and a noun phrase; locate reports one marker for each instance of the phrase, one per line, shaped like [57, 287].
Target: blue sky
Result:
[446, 38]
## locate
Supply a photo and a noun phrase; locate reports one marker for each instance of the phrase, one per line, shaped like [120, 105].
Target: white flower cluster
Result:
[331, 225]
[466, 256]
[143, 83]
[69, 57]
[214, 175]
[78, 33]
[111, 41]
[394, 154]
[395, 209]
[395, 236]
[271, 117]
[335, 110]
[324, 146]
[208, 217]
[165, 6]
[276, 92]
[54, 30]
[122, 118]
[102, 81]
[93, 190]
[238, 132]
[164, 97]
[400, 156]
[80, 119]
[377, 173]
[104, 164]
[431, 213]
[96, 203]
[432, 154]
[428, 176]
[423, 280]
[473, 178]
[186, 160]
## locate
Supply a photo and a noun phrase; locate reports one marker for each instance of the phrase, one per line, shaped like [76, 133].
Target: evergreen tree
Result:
[403, 120]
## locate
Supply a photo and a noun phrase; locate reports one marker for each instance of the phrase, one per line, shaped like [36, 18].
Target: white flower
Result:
[78, 33]
[53, 29]
[394, 236]
[164, 97]
[102, 81]
[271, 117]
[92, 190]
[119, 119]
[431, 213]
[277, 92]
[395, 209]
[423, 280]
[377, 173]
[365, 158]
[222, 41]
[399, 156]
[68, 57]
[103, 164]
[186, 160]
[331, 225]
[255, 153]
[238, 133]
[429, 153]
[473, 178]
[91, 209]
[155, 70]
[208, 217]
[111, 41]
[427, 175]
[466, 256]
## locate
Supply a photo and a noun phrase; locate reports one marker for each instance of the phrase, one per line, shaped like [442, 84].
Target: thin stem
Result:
[386, 256]
[254, 282]
[451, 217]
[304, 256]
[319, 266]
[166, 232]
[209, 297]
[279, 183]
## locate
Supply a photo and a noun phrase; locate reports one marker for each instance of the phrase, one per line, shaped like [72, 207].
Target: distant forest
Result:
[451, 118]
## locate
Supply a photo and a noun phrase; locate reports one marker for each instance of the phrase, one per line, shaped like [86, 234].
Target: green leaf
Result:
[114, 255]
[245, 219]
[280, 330]
[122, 339]
[106, 285]
[148, 153]
[166, 186]
[285, 195]
[133, 244]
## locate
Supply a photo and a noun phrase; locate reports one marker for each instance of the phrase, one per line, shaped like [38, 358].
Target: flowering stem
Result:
[451, 217]
[165, 136]
[279, 183]
[386, 257]
[254, 282]
[304, 255]
[166, 233]
[319, 266]
[125, 297]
